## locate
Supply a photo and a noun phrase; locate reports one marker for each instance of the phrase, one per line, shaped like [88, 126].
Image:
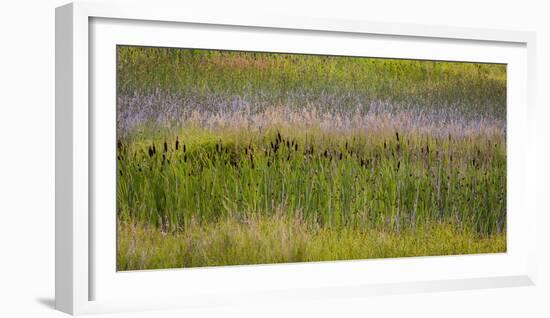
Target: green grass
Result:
[337, 181]
[294, 79]
[279, 239]
[227, 158]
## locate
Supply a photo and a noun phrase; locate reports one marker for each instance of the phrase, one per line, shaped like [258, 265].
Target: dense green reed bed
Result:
[337, 181]
[195, 181]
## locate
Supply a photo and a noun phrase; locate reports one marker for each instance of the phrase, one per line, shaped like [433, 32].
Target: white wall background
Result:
[27, 157]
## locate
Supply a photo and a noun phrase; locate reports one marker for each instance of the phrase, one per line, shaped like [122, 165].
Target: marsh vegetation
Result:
[228, 158]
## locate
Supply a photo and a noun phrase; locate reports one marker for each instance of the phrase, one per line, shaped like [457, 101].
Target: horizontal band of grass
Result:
[278, 239]
[336, 180]
[318, 81]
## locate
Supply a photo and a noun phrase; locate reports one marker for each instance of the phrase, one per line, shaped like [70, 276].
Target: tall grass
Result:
[338, 180]
[278, 239]
[228, 141]
[162, 85]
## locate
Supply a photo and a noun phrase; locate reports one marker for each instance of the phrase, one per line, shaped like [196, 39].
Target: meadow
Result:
[231, 158]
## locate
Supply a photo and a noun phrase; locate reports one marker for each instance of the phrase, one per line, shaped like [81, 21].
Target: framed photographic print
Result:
[227, 159]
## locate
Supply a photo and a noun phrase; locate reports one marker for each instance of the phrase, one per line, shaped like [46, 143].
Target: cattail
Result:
[151, 153]
[287, 144]
[296, 147]
[165, 146]
[119, 145]
[384, 144]
[154, 150]
[177, 143]
[398, 165]
[397, 136]
[340, 156]
[184, 148]
[217, 148]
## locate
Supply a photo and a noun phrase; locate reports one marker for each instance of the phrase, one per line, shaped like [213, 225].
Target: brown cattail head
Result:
[151, 153]
[177, 143]
[165, 146]
[252, 160]
[397, 136]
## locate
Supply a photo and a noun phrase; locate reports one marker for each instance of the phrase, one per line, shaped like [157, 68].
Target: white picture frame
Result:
[86, 278]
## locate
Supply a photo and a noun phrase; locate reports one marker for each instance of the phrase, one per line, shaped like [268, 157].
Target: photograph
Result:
[228, 158]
